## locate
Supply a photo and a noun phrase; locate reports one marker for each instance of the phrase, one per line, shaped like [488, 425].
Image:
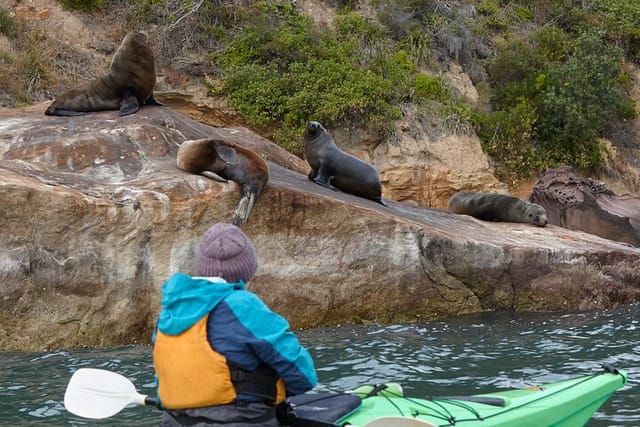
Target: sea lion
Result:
[333, 168]
[128, 84]
[223, 160]
[497, 207]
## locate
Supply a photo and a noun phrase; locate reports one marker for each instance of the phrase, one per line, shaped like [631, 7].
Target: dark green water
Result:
[479, 353]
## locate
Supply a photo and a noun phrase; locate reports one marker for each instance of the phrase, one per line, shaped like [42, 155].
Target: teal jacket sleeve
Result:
[248, 333]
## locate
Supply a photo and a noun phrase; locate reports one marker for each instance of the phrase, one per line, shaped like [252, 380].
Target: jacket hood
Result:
[185, 300]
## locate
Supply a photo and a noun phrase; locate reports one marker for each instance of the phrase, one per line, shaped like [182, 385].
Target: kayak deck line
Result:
[567, 402]
[543, 396]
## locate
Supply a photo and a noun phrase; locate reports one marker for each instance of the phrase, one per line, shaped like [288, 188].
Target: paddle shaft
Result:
[152, 401]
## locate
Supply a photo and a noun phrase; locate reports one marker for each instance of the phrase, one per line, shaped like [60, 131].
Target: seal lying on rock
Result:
[333, 168]
[222, 160]
[497, 207]
[128, 84]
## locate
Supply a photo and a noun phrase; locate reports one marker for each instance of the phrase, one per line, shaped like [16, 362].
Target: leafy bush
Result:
[553, 98]
[552, 44]
[507, 138]
[85, 5]
[7, 25]
[430, 88]
[283, 71]
[620, 19]
[578, 100]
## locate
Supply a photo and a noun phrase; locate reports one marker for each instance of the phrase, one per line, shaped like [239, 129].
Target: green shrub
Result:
[418, 44]
[370, 39]
[7, 24]
[565, 93]
[430, 88]
[513, 73]
[34, 70]
[84, 5]
[552, 44]
[507, 138]
[488, 7]
[620, 19]
[283, 71]
[580, 97]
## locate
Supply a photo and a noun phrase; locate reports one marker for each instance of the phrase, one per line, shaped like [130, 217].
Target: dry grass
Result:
[39, 66]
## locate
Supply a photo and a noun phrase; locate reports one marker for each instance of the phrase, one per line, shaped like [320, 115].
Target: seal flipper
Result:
[245, 205]
[322, 178]
[214, 176]
[153, 101]
[129, 105]
[65, 112]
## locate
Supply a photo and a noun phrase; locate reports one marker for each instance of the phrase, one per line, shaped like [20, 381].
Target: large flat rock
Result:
[96, 216]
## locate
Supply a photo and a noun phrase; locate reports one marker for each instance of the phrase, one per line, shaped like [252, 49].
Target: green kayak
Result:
[565, 403]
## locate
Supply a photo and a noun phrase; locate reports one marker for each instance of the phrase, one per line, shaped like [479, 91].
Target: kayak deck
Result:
[565, 403]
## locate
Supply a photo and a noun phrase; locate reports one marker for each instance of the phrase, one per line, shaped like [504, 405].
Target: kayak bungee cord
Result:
[452, 421]
[381, 387]
[444, 414]
[607, 369]
[437, 407]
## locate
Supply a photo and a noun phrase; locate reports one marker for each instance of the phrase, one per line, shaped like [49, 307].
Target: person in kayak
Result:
[221, 356]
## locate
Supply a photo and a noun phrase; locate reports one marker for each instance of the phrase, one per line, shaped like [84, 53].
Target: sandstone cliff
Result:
[96, 215]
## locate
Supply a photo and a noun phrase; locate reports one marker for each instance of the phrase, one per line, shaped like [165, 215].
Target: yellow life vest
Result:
[193, 375]
[190, 373]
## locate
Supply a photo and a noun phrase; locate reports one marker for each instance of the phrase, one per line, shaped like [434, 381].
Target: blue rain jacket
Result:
[240, 327]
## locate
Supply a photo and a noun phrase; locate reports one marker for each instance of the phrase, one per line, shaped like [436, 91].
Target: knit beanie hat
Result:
[225, 251]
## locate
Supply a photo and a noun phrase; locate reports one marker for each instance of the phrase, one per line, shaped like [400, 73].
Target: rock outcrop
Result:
[587, 205]
[96, 215]
[425, 167]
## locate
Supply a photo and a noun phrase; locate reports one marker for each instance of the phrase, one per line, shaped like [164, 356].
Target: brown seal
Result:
[497, 207]
[333, 168]
[223, 160]
[128, 84]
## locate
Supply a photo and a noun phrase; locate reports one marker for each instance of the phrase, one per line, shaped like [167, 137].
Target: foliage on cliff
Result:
[550, 72]
[282, 68]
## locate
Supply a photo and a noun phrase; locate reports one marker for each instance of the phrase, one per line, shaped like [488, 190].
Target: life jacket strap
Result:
[260, 383]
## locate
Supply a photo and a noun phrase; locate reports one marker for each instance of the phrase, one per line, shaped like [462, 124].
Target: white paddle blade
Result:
[96, 393]
[399, 422]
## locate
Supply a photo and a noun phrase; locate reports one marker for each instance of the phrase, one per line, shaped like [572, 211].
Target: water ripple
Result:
[478, 353]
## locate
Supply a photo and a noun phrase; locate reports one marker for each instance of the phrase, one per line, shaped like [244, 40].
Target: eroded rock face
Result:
[96, 215]
[583, 204]
[425, 170]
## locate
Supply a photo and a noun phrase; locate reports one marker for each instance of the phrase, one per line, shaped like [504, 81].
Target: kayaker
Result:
[221, 356]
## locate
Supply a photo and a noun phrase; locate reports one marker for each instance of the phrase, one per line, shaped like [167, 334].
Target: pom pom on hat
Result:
[225, 251]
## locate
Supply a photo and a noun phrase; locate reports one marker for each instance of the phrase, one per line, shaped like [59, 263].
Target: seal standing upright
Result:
[333, 168]
[223, 160]
[497, 207]
[128, 84]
